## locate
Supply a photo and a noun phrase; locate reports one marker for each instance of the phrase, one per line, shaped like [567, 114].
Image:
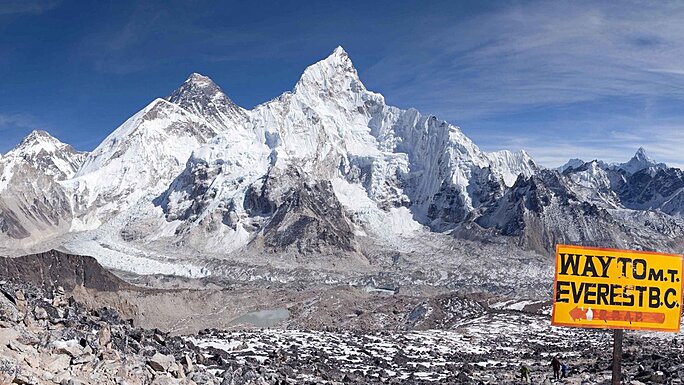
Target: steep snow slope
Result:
[592, 182]
[139, 159]
[513, 164]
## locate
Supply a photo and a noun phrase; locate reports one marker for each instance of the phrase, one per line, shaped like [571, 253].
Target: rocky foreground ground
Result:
[47, 337]
[55, 330]
[487, 350]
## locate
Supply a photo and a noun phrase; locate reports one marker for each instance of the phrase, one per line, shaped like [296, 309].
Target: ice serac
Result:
[33, 204]
[513, 164]
[138, 160]
[209, 199]
[202, 97]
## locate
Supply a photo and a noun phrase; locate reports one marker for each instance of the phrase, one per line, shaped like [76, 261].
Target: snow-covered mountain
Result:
[137, 161]
[640, 161]
[45, 153]
[202, 97]
[636, 204]
[320, 169]
[33, 204]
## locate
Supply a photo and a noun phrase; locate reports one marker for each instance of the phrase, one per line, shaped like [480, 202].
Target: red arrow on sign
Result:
[619, 315]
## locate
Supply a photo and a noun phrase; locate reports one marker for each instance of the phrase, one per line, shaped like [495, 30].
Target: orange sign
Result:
[617, 289]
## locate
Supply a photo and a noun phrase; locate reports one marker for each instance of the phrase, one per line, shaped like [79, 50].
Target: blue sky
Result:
[559, 79]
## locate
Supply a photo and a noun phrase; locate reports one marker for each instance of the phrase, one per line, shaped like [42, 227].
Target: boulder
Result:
[39, 313]
[658, 377]
[8, 310]
[104, 336]
[160, 362]
[32, 360]
[20, 299]
[187, 364]
[56, 363]
[71, 348]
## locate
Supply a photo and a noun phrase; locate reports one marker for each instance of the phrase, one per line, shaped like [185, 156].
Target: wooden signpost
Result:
[617, 289]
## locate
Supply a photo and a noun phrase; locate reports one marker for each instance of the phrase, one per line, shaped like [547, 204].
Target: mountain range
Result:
[325, 169]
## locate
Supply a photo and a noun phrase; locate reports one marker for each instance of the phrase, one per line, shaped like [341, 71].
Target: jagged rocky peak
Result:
[310, 219]
[641, 155]
[201, 96]
[334, 74]
[197, 86]
[39, 141]
[571, 164]
[640, 161]
[47, 154]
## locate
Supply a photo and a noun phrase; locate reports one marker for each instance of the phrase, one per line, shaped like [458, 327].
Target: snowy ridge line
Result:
[319, 169]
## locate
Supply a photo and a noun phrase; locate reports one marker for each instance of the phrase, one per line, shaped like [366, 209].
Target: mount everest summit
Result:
[325, 169]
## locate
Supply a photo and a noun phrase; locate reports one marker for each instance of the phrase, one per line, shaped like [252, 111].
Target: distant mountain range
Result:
[321, 169]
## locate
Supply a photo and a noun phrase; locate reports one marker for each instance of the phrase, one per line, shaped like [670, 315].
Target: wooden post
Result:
[617, 356]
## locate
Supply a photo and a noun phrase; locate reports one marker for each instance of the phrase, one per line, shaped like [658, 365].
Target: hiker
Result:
[524, 374]
[564, 370]
[556, 365]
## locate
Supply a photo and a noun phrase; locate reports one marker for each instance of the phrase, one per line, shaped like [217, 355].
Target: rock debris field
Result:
[46, 337]
[487, 350]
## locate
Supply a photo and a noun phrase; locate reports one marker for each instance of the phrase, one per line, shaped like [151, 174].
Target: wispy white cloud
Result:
[584, 58]
[14, 7]
[663, 142]
[541, 53]
[13, 127]
[132, 45]
[13, 121]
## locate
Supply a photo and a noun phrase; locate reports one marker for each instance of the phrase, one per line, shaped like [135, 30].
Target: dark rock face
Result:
[257, 201]
[54, 268]
[10, 224]
[310, 219]
[652, 189]
[542, 211]
[201, 96]
[194, 183]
